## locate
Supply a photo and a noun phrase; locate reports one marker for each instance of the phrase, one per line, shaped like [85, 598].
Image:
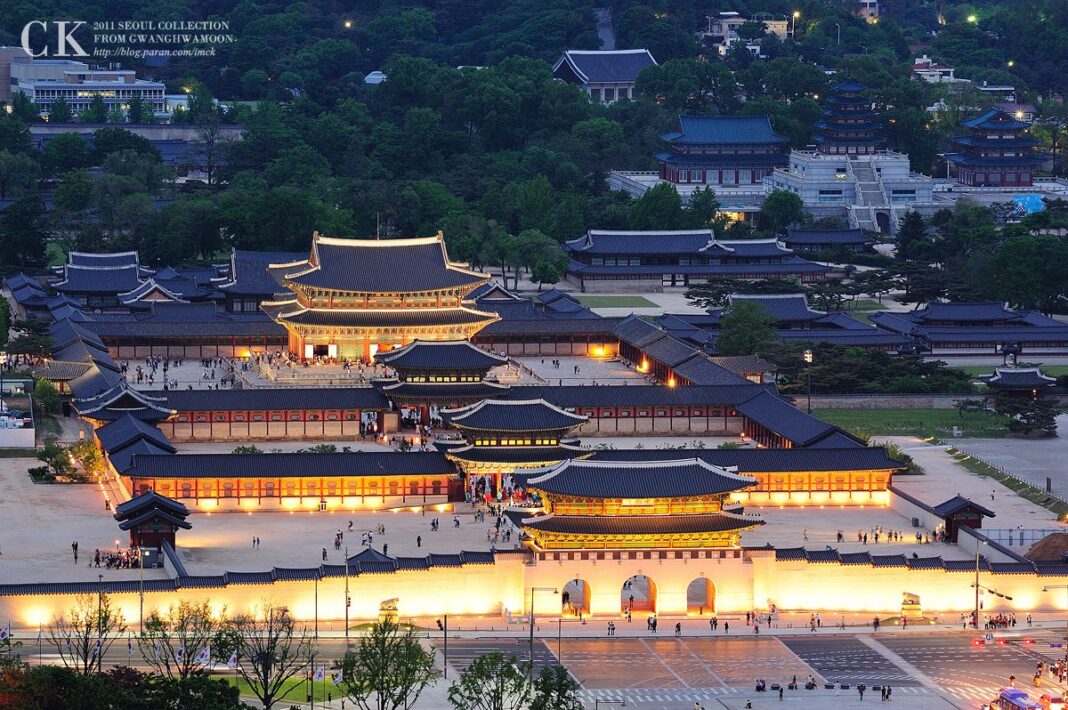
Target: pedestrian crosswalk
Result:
[656, 695]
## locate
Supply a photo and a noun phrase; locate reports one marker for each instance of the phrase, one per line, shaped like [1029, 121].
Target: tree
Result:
[703, 208]
[209, 149]
[781, 208]
[88, 456]
[1028, 415]
[57, 463]
[387, 670]
[24, 232]
[85, 632]
[713, 294]
[24, 108]
[271, 650]
[66, 152]
[492, 682]
[555, 689]
[97, 112]
[136, 111]
[47, 396]
[14, 134]
[912, 241]
[1032, 272]
[59, 112]
[746, 328]
[178, 643]
[659, 208]
[17, 172]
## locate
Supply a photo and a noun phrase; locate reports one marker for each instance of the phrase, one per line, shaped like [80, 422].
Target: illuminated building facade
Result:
[353, 298]
[502, 436]
[635, 505]
[442, 373]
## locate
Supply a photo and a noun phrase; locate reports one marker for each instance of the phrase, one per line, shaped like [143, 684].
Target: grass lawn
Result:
[295, 691]
[1048, 370]
[917, 422]
[614, 301]
[866, 304]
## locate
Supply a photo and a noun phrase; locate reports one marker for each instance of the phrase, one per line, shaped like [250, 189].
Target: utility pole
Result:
[99, 624]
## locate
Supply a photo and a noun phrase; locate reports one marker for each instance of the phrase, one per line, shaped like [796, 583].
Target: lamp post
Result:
[838, 27]
[347, 600]
[530, 668]
[141, 567]
[808, 372]
[317, 603]
[1065, 588]
[99, 623]
[793, 23]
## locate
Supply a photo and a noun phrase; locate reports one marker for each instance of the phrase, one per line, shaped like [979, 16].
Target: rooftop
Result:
[513, 415]
[377, 266]
[617, 66]
[682, 478]
[440, 354]
[730, 130]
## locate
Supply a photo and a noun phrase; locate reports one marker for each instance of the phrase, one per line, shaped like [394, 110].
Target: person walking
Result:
[324, 554]
[678, 629]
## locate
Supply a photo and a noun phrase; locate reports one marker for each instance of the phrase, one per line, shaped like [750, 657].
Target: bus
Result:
[1015, 699]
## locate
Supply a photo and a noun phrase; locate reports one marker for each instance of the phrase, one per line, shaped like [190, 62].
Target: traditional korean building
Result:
[981, 328]
[353, 298]
[1019, 381]
[152, 519]
[292, 481]
[725, 151]
[996, 152]
[440, 373]
[850, 125]
[662, 505]
[814, 241]
[653, 260]
[501, 437]
[605, 75]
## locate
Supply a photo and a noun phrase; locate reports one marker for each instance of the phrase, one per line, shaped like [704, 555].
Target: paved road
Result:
[941, 669]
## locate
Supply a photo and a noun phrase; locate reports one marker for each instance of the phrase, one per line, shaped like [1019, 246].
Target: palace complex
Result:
[418, 363]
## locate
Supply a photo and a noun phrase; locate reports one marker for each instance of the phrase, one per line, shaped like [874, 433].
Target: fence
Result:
[1020, 537]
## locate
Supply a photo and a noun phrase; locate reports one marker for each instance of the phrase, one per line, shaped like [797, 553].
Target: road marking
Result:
[704, 665]
[664, 664]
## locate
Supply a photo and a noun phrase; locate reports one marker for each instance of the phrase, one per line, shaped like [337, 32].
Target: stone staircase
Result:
[871, 196]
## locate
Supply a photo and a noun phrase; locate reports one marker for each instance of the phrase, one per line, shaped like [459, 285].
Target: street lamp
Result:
[972, 19]
[838, 27]
[808, 371]
[793, 23]
[530, 668]
[1065, 588]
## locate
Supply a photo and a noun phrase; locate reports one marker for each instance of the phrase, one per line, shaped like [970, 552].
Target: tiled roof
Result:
[782, 307]
[516, 454]
[995, 119]
[154, 514]
[786, 420]
[604, 241]
[292, 464]
[513, 415]
[617, 66]
[825, 236]
[392, 317]
[1023, 377]
[641, 524]
[440, 355]
[386, 265]
[959, 503]
[106, 260]
[962, 312]
[636, 331]
[276, 398]
[145, 289]
[60, 371]
[740, 364]
[750, 461]
[680, 478]
[668, 350]
[571, 396]
[441, 391]
[546, 325]
[148, 501]
[123, 458]
[126, 429]
[249, 275]
[700, 369]
[105, 280]
[724, 130]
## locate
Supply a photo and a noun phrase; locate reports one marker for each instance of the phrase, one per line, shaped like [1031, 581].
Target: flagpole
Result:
[40, 655]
